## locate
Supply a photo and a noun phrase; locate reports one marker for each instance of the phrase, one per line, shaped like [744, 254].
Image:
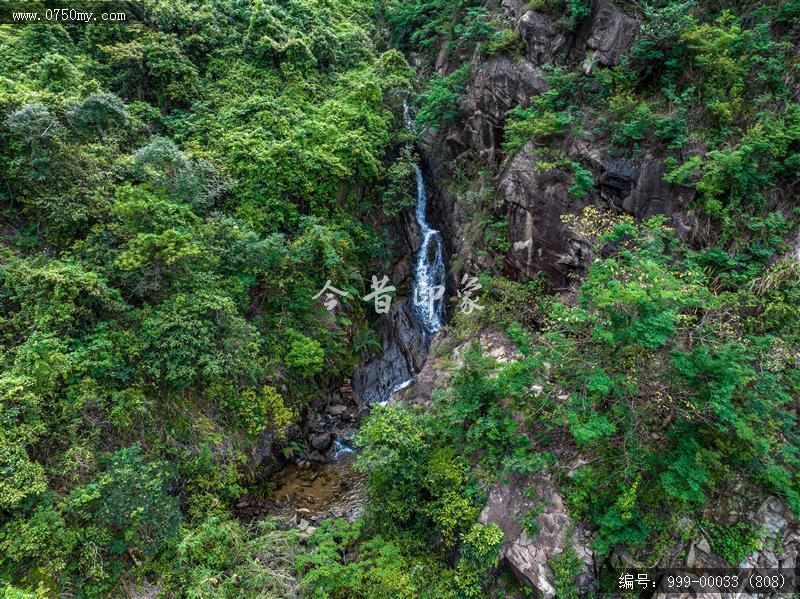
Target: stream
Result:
[317, 489]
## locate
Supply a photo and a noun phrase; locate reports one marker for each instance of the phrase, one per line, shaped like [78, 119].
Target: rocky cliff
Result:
[533, 202]
[535, 199]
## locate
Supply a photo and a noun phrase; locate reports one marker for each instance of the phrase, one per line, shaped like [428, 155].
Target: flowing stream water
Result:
[428, 291]
[333, 488]
[429, 275]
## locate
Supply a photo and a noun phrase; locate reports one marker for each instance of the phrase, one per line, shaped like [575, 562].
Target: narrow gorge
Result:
[366, 299]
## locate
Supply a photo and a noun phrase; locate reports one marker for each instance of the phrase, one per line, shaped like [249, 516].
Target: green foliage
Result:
[220, 557]
[577, 11]
[380, 569]
[129, 500]
[98, 113]
[412, 484]
[734, 543]
[583, 183]
[565, 567]
[400, 193]
[506, 40]
[424, 503]
[475, 422]
[417, 24]
[22, 425]
[480, 551]
[534, 123]
[644, 301]
[439, 102]
[175, 192]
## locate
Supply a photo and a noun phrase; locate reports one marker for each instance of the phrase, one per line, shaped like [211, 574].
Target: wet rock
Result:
[338, 411]
[610, 34]
[262, 454]
[527, 555]
[346, 435]
[322, 441]
[316, 456]
[404, 349]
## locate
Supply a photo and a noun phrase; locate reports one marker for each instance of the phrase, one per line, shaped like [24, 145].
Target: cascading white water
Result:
[429, 275]
[426, 306]
[396, 389]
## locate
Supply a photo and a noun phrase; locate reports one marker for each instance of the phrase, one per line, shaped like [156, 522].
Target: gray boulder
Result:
[542, 40]
[322, 441]
[527, 554]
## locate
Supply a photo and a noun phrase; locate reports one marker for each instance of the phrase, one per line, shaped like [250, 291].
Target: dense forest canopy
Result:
[175, 191]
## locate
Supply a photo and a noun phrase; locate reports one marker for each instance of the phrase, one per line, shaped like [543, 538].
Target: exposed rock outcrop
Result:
[535, 200]
[542, 39]
[652, 195]
[779, 536]
[610, 34]
[495, 87]
[404, 349]
[527, 552]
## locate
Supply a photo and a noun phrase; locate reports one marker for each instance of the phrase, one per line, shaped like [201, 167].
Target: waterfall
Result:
[407, 333]
[429, 275]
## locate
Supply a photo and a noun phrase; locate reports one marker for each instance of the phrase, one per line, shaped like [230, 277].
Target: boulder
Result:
[338, 411]
[527, 554]
[437, 372]
[618, 180]
[542, 40]
[322, 441]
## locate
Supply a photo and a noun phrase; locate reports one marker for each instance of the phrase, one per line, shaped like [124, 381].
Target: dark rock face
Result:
[611, 33]
[542, 40]
[535, 201]
[322, 441]
[404, 349]
[652, 195]
[618, 180]
[494, 88]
